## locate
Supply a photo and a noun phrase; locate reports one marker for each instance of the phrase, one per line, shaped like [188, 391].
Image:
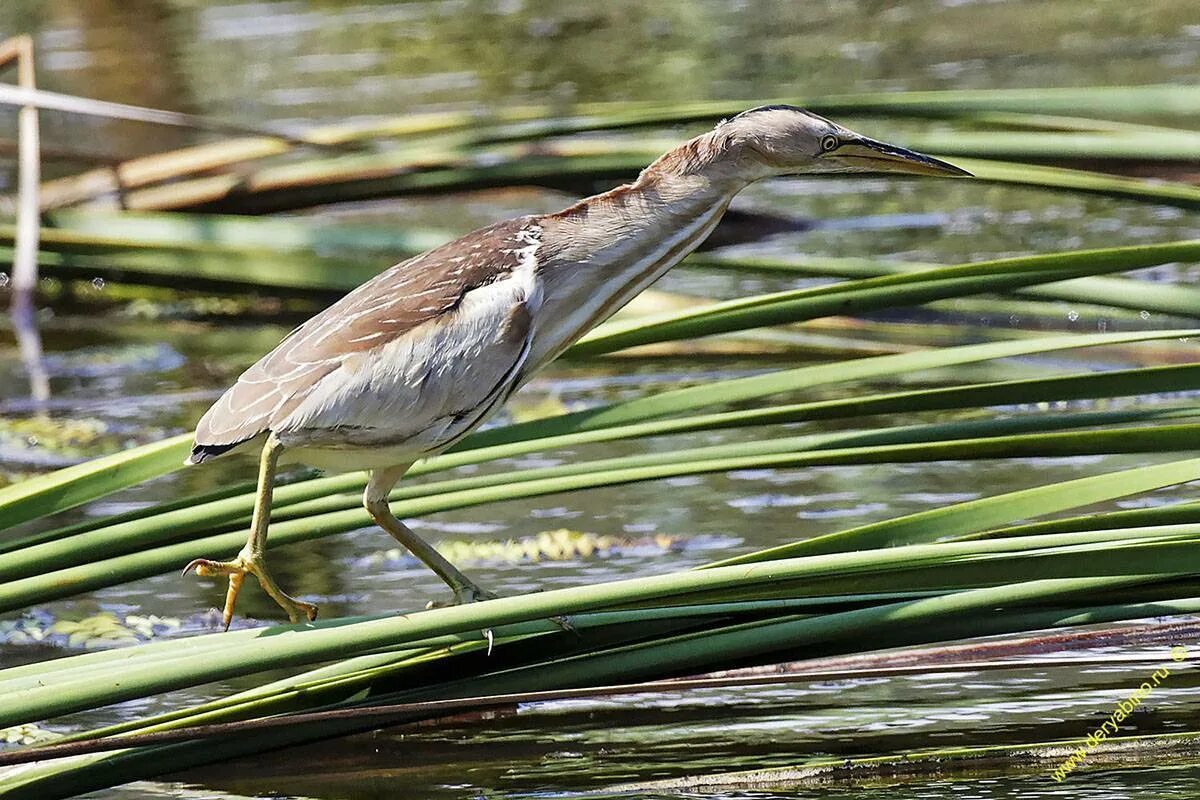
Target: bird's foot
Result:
[470, 593]
[467, 593]
[248, 563]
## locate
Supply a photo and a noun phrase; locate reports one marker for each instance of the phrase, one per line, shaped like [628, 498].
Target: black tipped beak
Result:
[870, 154]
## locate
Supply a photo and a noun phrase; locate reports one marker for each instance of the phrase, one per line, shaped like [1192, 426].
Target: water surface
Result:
[129, 378]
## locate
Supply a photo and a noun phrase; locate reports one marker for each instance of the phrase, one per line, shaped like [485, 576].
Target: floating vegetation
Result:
[98, 631]
[557, 545]
[52, 441]
[144, 308]
[27, 734]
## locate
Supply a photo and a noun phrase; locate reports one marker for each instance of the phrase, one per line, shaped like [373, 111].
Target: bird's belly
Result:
[329, 457]
[345, 449]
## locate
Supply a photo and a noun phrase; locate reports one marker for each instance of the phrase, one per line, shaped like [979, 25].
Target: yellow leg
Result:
[375, 498]
[252, 558]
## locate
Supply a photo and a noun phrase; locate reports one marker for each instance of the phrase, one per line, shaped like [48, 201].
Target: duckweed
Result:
[27, 734]
[558, 545]
[101, 630]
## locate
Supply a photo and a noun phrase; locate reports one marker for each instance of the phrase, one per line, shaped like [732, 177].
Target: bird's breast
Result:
[609, 263]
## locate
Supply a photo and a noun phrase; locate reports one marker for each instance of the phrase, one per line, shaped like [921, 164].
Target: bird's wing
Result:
[383, 310]
[421, 391]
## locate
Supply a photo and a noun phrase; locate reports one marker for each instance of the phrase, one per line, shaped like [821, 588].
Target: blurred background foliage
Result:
[291, 61]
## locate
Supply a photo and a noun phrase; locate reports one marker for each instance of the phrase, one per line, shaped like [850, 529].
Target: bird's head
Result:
[785, 140]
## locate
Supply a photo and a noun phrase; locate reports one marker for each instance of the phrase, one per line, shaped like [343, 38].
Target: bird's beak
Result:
[869, 154]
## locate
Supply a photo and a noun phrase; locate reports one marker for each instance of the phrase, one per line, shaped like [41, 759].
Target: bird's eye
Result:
[829, 143]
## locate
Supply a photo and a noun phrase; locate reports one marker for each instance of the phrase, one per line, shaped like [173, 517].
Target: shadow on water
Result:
[576, 748]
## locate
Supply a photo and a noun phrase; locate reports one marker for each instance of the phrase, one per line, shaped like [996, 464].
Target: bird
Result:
[413, 360]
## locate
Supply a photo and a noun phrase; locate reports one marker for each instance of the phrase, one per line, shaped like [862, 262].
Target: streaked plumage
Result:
[407, 361]
[414, 359]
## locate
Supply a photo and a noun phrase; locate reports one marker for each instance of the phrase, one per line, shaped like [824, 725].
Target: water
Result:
[123, 378]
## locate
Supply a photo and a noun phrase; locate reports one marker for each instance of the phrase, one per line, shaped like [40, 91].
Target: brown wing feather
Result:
[389, 305]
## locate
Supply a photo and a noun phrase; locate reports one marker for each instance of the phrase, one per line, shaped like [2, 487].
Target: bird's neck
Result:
[599, 254]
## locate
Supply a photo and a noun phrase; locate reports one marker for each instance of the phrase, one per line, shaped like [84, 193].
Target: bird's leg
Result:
[252, 558]
[375, 498]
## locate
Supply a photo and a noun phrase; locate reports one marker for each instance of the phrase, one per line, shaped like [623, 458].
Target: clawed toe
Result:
[207, 569]
[297, 610]
[473, 594]
[463, 595]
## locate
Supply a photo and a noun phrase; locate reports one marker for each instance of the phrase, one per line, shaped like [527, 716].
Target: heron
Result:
[417, 357]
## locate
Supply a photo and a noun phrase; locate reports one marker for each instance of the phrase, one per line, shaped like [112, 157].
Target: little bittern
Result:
[414, 359]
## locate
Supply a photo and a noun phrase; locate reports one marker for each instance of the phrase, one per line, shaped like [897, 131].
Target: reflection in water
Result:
[127, 52]
[25, 251]
[29, 344]
[662, 742]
